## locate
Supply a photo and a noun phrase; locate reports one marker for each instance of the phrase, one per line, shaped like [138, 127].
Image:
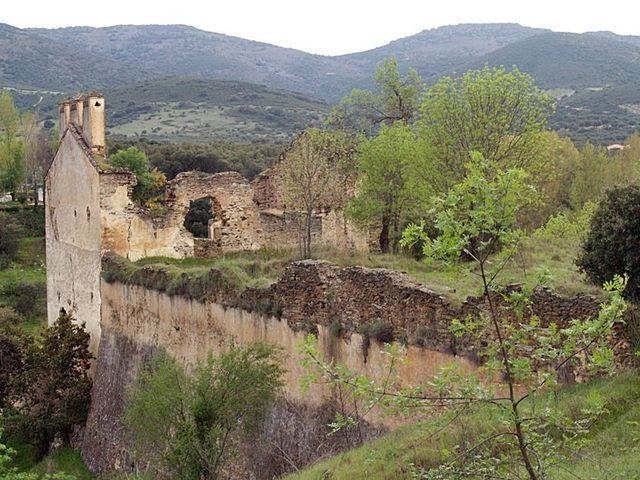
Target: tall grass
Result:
[611, 451]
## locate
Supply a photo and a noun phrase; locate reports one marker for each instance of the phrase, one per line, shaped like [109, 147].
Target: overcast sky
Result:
[327, 27]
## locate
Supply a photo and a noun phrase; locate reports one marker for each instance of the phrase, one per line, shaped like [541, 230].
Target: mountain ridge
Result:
[602, 69]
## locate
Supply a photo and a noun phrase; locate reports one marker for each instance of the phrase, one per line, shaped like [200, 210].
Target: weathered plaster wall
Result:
[73, 237]
[137, 321]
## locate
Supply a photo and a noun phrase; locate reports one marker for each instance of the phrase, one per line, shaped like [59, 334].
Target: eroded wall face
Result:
[72, 223]
[138, 321]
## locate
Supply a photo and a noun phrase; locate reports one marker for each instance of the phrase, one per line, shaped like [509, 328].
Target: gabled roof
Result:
[97, 160]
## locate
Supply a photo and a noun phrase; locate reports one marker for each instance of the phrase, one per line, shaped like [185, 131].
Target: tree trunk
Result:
[307, 239]
[384, 235]
[35, 192]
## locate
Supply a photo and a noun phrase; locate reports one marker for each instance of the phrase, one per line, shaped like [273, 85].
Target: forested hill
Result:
[596, 76]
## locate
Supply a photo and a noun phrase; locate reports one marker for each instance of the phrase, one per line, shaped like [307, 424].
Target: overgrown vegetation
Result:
[609, 451]
[150, 181]
[47, 384]
[248, 158]
[612, 245]
[477, 218]
[189, 426]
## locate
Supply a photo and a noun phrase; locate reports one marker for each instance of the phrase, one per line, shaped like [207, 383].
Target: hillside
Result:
[601, 73]
[196, 110]
[167, 50]
[199, 110]
[443, 50]
[570, 60]
[610, 451]
[596, 74]
[31, 60]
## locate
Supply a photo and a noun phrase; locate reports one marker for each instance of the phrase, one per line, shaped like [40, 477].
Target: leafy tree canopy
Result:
[612, 246]
[495, 112]
[150, 181]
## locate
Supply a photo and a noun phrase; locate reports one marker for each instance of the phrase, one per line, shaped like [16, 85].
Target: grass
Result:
[64, 460]
[612, 450]
[261, 268]
[29, 267]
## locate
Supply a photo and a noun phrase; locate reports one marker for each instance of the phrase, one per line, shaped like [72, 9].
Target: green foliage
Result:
[478, 216]
[221, 156]
[150, 181]
[394, 173]
[24, 297]
[612, 246]
[495, 112]
[396, 99]
[12, 166]
[50, 392]
[188, 427]
[197, 218]
[10, 234]
[8, 472]
[30, 219]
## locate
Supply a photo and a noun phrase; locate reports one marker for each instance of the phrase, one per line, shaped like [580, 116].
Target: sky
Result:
[328, 27]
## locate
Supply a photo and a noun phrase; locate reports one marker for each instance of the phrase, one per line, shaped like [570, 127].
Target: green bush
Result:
[10, 234]
[191, 426]
[8, 316]
[25, 297]
[29, 219]
[50, 392]
[612, 246]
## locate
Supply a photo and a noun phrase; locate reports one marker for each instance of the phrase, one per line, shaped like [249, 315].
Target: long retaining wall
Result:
[137, 321]
[310, 296]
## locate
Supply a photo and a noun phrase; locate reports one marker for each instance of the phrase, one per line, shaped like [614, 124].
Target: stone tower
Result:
[72, 221]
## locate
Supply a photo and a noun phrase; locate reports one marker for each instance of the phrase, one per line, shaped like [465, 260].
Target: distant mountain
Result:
[168, 50]
[182, 109]
[594, 75]
[598, 74]
[29, 59]
[569, 60]
[443, 50]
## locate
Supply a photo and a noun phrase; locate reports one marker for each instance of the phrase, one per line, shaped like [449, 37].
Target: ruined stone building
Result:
[90, 211]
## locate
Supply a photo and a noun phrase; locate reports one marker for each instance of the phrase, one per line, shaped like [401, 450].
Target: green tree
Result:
[393, 168]
[396, 99]
[612, 246]
[150, 181]
[189, 427]
[10, 235]
[552, 174]
[316, 171]
[495, 112]
[12, 167]
[52, 392]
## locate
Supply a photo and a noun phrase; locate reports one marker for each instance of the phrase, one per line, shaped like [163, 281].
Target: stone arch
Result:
[204, 219]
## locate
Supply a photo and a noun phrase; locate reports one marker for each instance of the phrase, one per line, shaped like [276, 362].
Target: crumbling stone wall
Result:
[134, 233]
